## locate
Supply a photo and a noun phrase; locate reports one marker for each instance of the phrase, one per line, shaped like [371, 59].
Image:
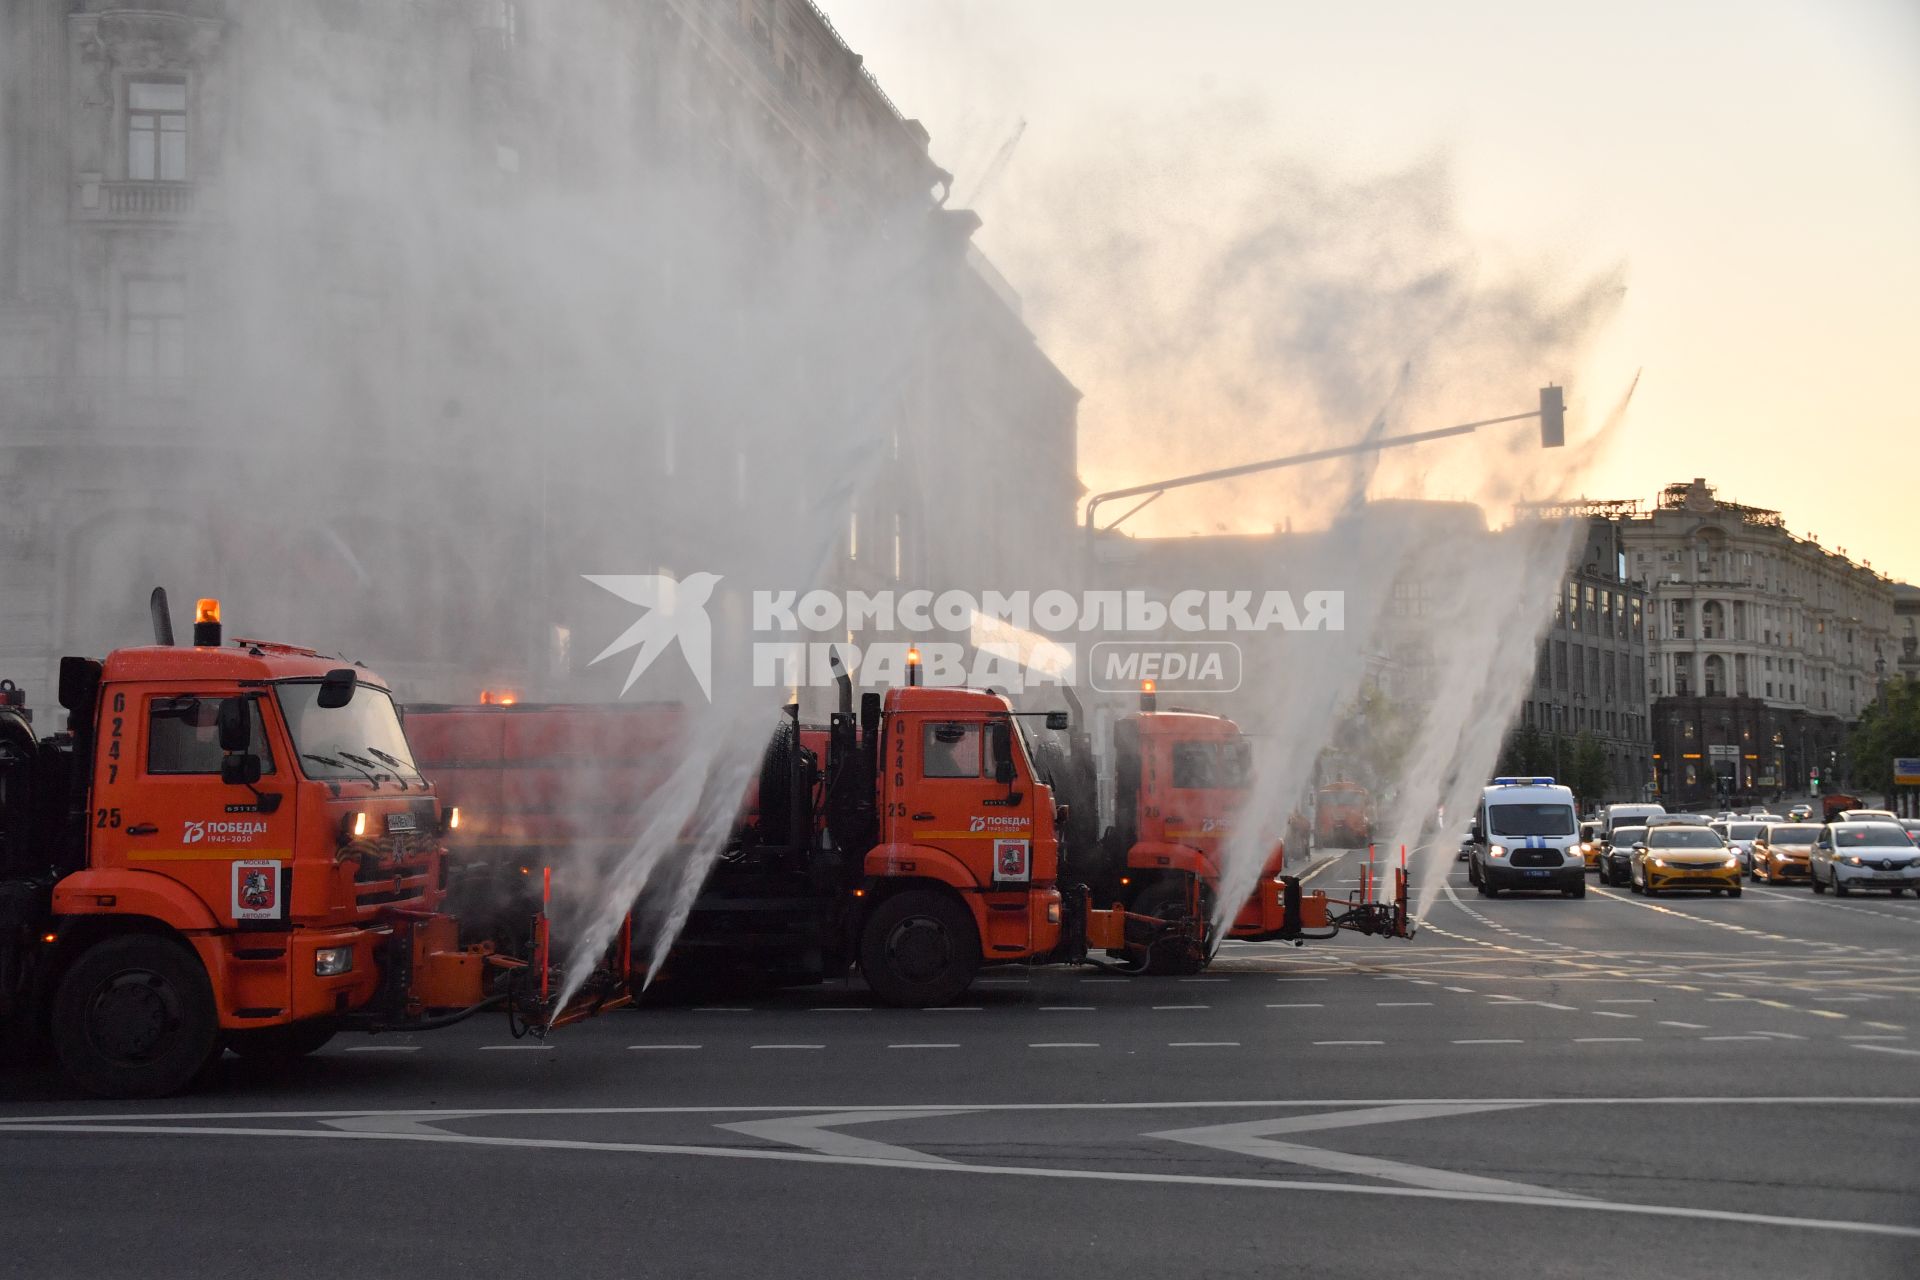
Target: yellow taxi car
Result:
[1780, 852]
[1591, 834]
[1684, 857]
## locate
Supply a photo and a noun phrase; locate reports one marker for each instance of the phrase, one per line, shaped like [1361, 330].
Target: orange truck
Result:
[1340, 816]
[916, 840]
[228, 846]
[1179, 779]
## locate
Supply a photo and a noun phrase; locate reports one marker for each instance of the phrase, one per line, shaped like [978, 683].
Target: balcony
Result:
[138, 201]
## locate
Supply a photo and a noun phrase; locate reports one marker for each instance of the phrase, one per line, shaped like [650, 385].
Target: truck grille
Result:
[391, 869]
[1536, 857]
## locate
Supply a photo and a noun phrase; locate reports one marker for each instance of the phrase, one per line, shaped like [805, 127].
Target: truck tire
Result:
[776, 782]
[919, 948]
[1168, 901]
[283, 1044]
[134, 1017]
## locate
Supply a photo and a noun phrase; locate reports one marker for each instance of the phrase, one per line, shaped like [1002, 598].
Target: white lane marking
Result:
[1779, 1035]
[1181, 1006]
[1489, 1041]
[1873, 1037]
[816, 1133]
[414, 1126]
[1608, 1013]
[1465, 991]
[383, 1048]
[925, 1164]
[664, 1046]
[1296, 1006]
[1626, 1000]
[1066, 1008]
[926, 1045]
[786, 1046]
[1606, 1040]
[1403, 1004]
[1887, 1048]
[1063, 1044]
[1733, 1037]
[1690, 1026]
[1255, 1138]
[1349, 1041]
[1203, 1044]
[502, 1048]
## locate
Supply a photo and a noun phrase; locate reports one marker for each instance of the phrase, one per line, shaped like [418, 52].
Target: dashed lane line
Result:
[1887, 1048]
[663, 1048]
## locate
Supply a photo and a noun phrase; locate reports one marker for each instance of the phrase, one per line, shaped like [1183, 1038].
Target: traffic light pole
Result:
[1552, 414]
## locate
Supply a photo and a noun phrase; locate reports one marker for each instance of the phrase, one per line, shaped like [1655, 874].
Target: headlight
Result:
[331, 962]
[1497, 851]
[1852, 859]
[1732, 861]
[353, 825]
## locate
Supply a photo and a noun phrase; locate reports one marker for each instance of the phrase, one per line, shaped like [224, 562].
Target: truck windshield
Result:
[1217, 766]
[327, 737]
[1530, 819]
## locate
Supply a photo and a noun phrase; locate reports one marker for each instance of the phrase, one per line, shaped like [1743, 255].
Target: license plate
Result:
[1538, 875]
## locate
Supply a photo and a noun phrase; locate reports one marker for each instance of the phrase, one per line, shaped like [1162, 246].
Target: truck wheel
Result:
[1168, 901]
[135, 1018]
[919, 948]
[282, 1044]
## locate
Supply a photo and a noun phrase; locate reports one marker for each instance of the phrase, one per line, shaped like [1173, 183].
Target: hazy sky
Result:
[1751, 172]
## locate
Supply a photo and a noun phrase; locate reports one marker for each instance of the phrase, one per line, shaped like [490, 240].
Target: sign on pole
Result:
[1906, 772]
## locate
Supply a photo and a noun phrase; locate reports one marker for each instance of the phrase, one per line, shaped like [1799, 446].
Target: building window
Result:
[156, 341]
[157, 131]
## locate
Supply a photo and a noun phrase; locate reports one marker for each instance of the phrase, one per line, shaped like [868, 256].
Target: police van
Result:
[1526, 835]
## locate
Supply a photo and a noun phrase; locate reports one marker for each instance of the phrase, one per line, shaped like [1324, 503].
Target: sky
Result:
[1721, 199]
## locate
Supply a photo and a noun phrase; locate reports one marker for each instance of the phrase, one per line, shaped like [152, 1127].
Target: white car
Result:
[1864, 855]
[1867, 815]
[1740, 833]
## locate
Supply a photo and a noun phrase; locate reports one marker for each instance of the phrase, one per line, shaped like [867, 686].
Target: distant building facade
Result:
[1592, 672]
[1764, 647]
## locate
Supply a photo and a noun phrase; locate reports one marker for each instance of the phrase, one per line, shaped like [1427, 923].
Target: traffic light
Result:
[1553, 417]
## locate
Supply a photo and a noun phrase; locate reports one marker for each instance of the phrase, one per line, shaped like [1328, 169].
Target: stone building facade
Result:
[363, 449]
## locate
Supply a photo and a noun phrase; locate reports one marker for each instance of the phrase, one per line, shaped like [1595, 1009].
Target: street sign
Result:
[1723, 751]
[1906, 772]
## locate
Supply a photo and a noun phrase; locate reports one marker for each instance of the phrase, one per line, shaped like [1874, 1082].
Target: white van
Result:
[1630, 815]
[1526, 835]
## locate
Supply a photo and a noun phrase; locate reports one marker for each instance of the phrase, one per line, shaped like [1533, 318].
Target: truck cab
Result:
[1526, 835]
[230, 846]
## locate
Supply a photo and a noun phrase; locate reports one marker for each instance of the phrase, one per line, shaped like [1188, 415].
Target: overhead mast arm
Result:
[1552, 415]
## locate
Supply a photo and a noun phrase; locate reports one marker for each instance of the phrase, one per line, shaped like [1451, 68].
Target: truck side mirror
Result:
[336, 688]
[1059, 720]
[240, 770]
[235, 722]
[1001, 736]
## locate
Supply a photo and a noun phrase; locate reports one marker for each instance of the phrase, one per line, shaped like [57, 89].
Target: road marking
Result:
[1203, 1044]
[1609, 1013]
[1489, 1041]
[1181, 1006]
[1607, 1040]
[1779, 1035]
[1338, 1042]
[383, 1048]
[923, 1046]
[500, 1048]
[1887, 1048]
[786, 1046]
[816, 1133]
[1066, 1008]
[1873, 1037]
[1255, 1138]
[1690, 1026]
[663, 1046]
[1465, 991]
[1733, 1037]
[1626, 1000]
[1063, 1044]
[1296, 1006]
[1403, 1004]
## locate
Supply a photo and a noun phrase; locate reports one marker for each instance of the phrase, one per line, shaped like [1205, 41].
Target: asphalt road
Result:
[1693, 1086]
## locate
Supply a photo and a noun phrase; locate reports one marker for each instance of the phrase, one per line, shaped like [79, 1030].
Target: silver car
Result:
[1864, 855]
